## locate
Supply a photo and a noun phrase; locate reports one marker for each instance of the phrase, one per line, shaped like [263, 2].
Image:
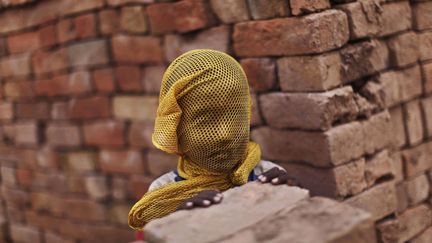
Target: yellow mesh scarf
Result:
[203, 116]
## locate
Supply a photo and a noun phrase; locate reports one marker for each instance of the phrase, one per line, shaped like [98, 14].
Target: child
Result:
[204, 117]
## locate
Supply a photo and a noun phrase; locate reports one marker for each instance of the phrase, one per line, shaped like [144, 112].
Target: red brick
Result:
[117, 213]
[404, 49]
[261, 73]
[310, 73]
[181, 16]
[262, 9]
[53, 182]
[109, 21]
[66, 30]
[153, 78]
[425, 45]
[9, 176]
[328, 30]
[337, 182]
[230, 11]
[140, 134]
[378, 167]
[287, 110]
[416, 159]
[60, 110]
[88, 54]
[16, 65]
[26, 133]
[422, 15]
[256, 118]
[417, 189]
[103, 80]
[397, 126]
[122, 161]
[3, 47]
[51, 237]
[427, 77]
[129, 78]
[118, 191]
[299, 7]
[48, 202]
[81, 209]
[217, 38]
[19, 90]
[104, 133]
[48, 36]
[47, 157]
[92, 107]
[85, 26]
[426, 105]
[35, 110]
[63, 135]
[396, 17]
[49, 61]
[15, 197]
[28, 41]
[76, 184]
[406, 225]
[364, 17]
[73, 84]
[135, 107]
[133, 19]
[25, 177]
[82, 161]
[6, 111]
[413, 122]
[379, 200]
[122, 2]
[363, 59]
[97, 187]
[138, 185]
[160, 162]
[137, 49]
[25, 233]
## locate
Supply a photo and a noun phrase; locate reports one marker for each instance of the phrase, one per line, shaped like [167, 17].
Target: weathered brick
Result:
[397, 166]
[376, 132]
[379, 200]
[413, 122]
[423, 237]
[140, 134]
[47, 157]
[160, 162]
[217, 38]
[117, 213]
[70, 84]
[138, 185]
[9, 176]
[397, 126]
[122, 161]
[406, 225]
[35, 110]
[426, 105]
[118, 191]
[230, 11]
[153, 78]
[337, 182]
[377, 167]
[3, 47]
[26, 133]
[109, 21]
[416, 159]
[25, 42]
[63, 135]
[48, 202]
[6, 111]
[91, 107]
[269, 37]
[364, 17]
[88, 54]
[299, 7]
[287, 110]
[51, 237]
[427, 77]
[76, 184]
[309, 73]
[135, 107]
[260, 72]
[181, 16]
[402, 85]
[363, 59]
[417, 189]
[16, 197]
[97, 187]
[256, 118]
[15, 65]
[425, 45]
[137, 49]
[133, 19]
[262, 9]
[129, 78]
[85, 26]
[396, 17]
[25, 233]
[104, 133]
[24, 177]
[81, 161]
[49, 61]
[404, 49]
[81, 209]
[103, 80]
[402, 197]
[60, 110]
[122, 2]
[422, 15]
[66, 30]
[48, 36]
[52, 181]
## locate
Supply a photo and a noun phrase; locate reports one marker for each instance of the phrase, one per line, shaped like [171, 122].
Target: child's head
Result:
[204, 110]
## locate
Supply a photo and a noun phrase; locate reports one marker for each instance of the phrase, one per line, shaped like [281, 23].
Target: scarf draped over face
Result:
[204, 117]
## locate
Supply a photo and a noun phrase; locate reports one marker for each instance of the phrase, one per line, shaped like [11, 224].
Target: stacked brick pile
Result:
[342, 91]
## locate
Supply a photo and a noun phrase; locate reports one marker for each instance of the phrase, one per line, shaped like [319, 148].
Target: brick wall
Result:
[342, 94]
